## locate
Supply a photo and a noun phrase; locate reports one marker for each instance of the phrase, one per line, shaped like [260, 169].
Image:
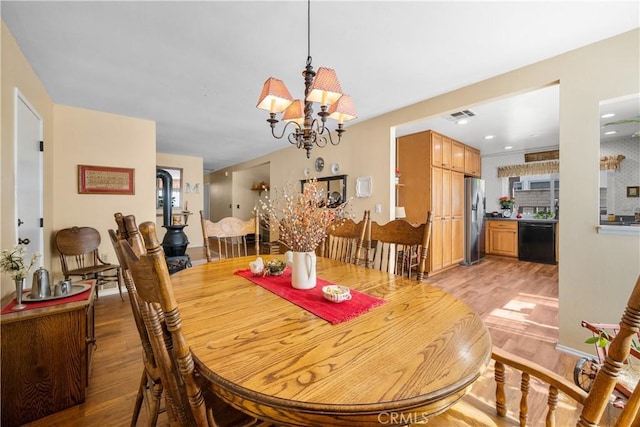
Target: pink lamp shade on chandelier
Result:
[325, 88]
[294, 112]
[275, 96]
[343, 109]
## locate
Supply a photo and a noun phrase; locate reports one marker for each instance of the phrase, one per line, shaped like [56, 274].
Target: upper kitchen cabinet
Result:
[448, 153]
[472, 162]
[457, 156]
[437, 148]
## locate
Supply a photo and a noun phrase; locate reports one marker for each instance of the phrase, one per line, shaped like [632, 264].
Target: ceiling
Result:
[197, 68]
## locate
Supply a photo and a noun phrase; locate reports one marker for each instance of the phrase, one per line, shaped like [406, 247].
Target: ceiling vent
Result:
[458, 115]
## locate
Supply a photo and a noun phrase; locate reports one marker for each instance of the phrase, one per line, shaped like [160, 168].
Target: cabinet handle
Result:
[91, 341]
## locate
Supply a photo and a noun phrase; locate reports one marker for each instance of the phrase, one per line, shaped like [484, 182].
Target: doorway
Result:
[28, 179]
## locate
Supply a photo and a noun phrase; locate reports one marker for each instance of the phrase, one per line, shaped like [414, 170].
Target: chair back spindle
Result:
[345, 240]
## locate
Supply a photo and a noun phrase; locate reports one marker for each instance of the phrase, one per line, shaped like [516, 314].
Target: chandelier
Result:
[322, 87]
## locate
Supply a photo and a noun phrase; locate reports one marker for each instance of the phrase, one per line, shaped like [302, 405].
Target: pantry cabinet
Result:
[432, 168]
[502, 238]
[457, 217]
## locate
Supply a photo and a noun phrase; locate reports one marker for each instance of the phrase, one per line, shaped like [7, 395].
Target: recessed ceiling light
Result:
[606, 116]
[611, 132]
[508, 147]
[489, 137]
[462, 122]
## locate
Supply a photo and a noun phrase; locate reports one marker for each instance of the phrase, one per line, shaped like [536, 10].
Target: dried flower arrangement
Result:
[302, 218]
[12, 262]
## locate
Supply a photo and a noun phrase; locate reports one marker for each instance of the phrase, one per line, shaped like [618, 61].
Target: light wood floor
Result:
[517, 300]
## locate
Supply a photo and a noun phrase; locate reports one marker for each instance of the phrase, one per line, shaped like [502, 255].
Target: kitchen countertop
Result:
[527, 219]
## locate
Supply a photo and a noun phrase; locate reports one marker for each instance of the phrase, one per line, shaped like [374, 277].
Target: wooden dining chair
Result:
[78, 249]
[191, 405]
[398, 247]
[345, 240]
[567, 404]
[230, 233]
[150, 389]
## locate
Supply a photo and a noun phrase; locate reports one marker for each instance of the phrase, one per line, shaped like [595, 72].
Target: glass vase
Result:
[19, 288]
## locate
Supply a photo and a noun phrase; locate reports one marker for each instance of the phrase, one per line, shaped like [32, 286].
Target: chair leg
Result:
[154, 408]
[119, 280]
[139, 399]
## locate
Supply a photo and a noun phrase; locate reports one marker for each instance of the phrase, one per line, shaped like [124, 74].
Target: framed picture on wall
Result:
[633, 191]
[105, 180]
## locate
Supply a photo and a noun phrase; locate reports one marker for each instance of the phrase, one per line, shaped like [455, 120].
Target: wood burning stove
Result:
[175, 240]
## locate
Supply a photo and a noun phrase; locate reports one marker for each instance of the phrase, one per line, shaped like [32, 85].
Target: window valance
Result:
[611, 162]
[537, 168]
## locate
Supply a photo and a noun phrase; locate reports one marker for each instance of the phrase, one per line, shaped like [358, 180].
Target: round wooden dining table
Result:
[396, 364]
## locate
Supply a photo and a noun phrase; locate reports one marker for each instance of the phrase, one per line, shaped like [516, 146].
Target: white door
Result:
[29, 165]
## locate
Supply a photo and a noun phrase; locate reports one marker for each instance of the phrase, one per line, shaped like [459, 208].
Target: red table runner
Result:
[32, 305]
[312, 300]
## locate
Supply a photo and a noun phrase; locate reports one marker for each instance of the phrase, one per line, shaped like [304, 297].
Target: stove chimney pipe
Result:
[167, 185]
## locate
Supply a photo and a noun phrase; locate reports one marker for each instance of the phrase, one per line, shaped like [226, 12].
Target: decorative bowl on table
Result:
[336, 293]
[274, 267]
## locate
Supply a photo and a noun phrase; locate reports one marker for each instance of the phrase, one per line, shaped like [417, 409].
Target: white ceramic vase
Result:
[303, 270]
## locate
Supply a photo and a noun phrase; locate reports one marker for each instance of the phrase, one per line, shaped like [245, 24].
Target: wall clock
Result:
[319, 164]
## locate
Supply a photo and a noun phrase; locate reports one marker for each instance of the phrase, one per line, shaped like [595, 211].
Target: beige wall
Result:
[85, 137]
[192, 173]
[597, 271]
[72, 136]
[17, 73]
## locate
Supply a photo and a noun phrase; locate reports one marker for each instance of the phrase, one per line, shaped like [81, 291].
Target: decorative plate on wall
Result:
[335, 168]
[319, 164]
[364, 186]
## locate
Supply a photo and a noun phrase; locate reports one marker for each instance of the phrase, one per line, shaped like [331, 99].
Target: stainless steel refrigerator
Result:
[474, 223]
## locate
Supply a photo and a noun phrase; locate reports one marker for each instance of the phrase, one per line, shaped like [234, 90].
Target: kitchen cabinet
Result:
[502, 238]
[441, 149]
[446, 152]
[434, 140]
[457, 217]
[46, 357]
[457, 156]
[472, 163]
[433, 184]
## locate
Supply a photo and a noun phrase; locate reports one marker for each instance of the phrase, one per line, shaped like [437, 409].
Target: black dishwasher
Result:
[537, 241]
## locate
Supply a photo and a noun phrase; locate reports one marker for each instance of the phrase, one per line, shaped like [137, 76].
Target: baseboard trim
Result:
[111, 291]
[573, 351]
